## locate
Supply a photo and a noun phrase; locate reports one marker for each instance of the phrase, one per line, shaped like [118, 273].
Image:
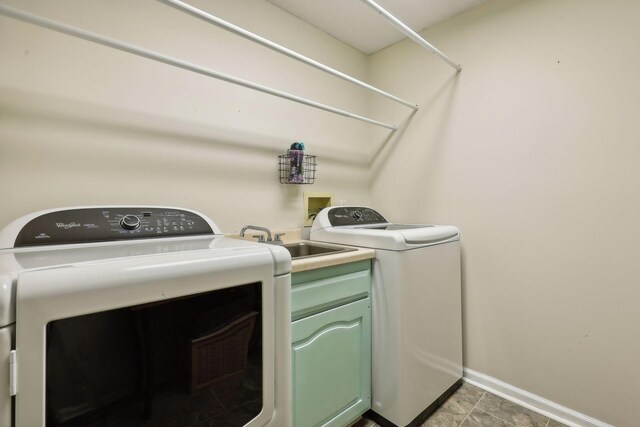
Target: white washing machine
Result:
[416, 309]
[141, 316]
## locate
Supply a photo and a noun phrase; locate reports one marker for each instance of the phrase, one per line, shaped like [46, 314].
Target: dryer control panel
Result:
[88, 225]
[354, 215]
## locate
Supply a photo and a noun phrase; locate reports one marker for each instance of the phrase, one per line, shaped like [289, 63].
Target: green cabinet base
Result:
[331, 344]
[332, 366]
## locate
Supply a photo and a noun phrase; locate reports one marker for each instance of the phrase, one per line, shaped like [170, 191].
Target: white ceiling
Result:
[356, 24]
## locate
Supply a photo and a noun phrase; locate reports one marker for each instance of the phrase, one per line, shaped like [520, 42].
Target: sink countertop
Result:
[320, 261]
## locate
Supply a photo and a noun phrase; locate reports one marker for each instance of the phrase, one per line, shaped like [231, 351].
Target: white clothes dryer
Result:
[124, 315]
[416, 309]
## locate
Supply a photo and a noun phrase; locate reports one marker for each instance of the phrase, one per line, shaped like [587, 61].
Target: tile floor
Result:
[471, 406]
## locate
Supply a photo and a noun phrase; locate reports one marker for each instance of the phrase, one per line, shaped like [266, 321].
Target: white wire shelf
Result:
[184, 7]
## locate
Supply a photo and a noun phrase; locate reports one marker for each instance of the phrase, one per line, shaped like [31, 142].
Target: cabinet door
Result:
[332, 366]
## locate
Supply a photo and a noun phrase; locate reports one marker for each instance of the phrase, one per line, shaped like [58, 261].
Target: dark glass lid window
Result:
[194, 361]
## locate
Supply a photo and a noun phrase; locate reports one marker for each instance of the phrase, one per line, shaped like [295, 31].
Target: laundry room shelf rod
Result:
[225, 25]
[125, 47]
[410, 33]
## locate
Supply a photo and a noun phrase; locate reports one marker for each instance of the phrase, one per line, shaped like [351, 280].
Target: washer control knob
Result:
[130, 222]
[357, 215]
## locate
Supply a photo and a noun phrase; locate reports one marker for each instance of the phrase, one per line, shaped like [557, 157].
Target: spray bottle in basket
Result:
[296, 154]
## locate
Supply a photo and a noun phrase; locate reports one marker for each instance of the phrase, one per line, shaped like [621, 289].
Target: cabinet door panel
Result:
[332, 365]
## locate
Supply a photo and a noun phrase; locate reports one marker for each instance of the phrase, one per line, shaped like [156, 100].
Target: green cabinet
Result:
[331, 343]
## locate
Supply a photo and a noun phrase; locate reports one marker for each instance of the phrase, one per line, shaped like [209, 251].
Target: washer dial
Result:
[130, 222]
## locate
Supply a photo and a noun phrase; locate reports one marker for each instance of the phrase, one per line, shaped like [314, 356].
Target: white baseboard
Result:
[531, 401]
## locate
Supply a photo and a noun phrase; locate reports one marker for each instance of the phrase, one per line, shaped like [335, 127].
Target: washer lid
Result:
[46, 295]
[395, 237]
[362, 226]
[416, 234]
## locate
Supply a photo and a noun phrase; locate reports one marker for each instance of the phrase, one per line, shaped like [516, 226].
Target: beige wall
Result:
[533, 152]
[82, 124]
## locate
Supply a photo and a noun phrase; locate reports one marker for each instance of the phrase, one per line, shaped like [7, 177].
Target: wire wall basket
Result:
[297, 168]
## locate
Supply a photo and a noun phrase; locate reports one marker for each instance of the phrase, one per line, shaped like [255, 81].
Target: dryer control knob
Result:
[130, 222]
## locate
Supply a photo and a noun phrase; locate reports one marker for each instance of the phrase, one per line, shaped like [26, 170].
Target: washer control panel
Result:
[353, 215]
[87, 225]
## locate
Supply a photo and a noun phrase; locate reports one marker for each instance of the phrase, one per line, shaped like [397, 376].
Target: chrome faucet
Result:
[255, 227]
[276, 241]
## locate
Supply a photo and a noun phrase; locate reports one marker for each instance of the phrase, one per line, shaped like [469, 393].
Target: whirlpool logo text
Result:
[67, 226]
